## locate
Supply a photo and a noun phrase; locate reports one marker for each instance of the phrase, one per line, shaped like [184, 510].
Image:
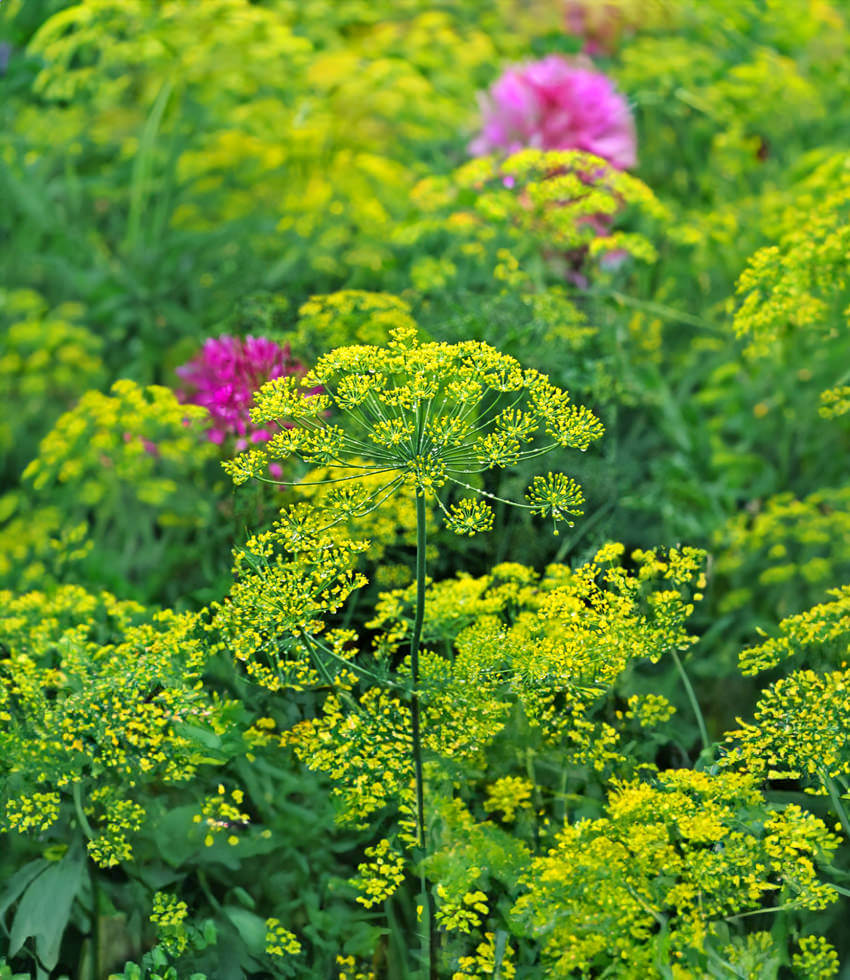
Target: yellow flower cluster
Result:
[492, 957]
[120, 819]
[650, 881]
[816, 959]
[424, 415]
[364, 746]
[279, 940]
[797, 729]
[380, 876]
[220, 815]
[38, 546]
[101, 697]
[508, 794]
[799, 284]
[788, 549]
[649, 710]
[46, 357]
[348, 970]
[34, 812]
[168, 915]
[819, 631]
[350, 316]
[134, 442]
[465, 915]
[287, 583]
[544, 201]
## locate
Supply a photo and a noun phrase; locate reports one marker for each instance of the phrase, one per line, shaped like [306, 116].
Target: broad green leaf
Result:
[45, 907]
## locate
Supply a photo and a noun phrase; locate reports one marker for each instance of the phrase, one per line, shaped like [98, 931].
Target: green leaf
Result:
[244, 898]
[251, 928]
[45, 907]
[17, 883]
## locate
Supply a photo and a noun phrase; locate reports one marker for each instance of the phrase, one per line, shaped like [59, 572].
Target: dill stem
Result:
[82, 820]
[94, 929]
[428, 934]
[689, 690]
[835, 797]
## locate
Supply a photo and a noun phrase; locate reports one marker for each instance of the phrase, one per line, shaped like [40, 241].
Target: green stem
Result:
[836, 801]
[429, 937]
[77, 796]
[95, 925]
[706, 741]
[86, 827]
[659, 309]
[205, 888]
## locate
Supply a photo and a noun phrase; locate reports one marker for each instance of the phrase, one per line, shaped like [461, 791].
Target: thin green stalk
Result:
[95, 924]
[706, 741]
[86, 827]
[835, 797]
[660, 309]
[82, 819]
[142, 179]
[428, 934]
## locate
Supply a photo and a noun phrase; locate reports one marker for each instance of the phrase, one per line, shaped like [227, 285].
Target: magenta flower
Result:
[556, 104]
[223, 378]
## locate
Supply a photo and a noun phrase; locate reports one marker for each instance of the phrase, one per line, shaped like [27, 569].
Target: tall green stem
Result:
[689, 690]
[835, 797]
[86, 828]
[429, 936]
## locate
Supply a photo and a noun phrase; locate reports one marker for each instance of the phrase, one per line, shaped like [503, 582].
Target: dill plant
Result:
[430, 416]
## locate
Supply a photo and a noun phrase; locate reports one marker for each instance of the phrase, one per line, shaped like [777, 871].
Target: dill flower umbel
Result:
[430, 416]
[557, 104]
[223, 378]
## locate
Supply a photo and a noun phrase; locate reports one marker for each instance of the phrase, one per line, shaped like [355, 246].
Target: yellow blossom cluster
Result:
[425, 415]
[465, 915]
[288, 582]
[652, 881]
[98, 698]
[800, 284]
[45, 354]
[784, 551]
[348, 969]
[279, 940]
[168, 915]
[492, 954]
[380, 876]
[508, 794]
[136, 439]
[220, 815]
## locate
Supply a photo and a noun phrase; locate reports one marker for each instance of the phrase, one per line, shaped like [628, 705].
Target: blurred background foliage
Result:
[298, 170]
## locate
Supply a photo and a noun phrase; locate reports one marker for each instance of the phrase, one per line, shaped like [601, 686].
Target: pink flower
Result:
[223, 378]
[556, 104]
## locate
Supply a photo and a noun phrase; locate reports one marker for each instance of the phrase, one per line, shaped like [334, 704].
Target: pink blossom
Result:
[556, 104]
[223, 378]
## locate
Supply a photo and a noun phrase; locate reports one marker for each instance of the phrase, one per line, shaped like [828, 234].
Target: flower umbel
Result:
[431, 416]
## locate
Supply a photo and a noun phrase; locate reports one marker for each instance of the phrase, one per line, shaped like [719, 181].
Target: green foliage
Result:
[134, 478]
[79, 719]
[402, 690]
